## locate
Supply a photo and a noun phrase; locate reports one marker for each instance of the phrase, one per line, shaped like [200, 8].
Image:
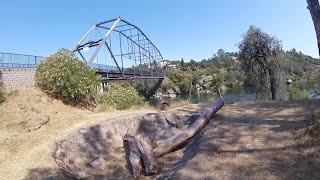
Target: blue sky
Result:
[180, 29]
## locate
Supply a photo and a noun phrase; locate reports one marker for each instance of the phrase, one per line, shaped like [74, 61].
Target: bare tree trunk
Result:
[273, 84]
[189, 99]
[134, 155]
[176, 141]
[314, 8]
[149, 161]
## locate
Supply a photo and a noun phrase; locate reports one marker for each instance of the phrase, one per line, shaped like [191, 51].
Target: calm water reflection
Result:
[230, 96]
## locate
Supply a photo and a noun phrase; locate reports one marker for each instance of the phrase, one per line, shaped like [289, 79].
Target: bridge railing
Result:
[12, 60]
[16, 65]
[133, 71]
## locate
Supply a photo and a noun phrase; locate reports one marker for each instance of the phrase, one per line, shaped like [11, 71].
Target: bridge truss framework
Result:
[125, 46]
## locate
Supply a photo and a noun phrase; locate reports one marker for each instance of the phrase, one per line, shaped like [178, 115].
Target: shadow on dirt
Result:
[244, 141]
[264, 141]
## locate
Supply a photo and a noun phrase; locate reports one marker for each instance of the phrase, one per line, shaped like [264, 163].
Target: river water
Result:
[230, 96]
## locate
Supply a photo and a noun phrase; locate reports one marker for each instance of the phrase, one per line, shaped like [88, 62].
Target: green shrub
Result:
[2, 95]
[145, 87]
[314, 125]
[64, 76]
[216, 83]
[121, 97]
[166, 85]
[181, 78]
[296, 93]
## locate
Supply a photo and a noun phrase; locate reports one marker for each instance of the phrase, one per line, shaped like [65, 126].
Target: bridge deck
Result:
[113, 76]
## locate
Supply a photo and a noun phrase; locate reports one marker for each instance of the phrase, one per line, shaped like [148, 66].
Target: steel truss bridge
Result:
[119, 50]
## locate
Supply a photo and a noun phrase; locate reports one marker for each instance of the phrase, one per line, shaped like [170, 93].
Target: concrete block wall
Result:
[17, 77]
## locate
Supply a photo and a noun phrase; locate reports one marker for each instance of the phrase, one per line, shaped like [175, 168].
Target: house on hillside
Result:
[163, 63]
[171, 67]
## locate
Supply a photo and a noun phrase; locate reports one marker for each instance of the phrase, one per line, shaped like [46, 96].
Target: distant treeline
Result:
[227, 65]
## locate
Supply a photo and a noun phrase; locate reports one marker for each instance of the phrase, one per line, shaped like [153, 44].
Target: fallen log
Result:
[134, 155]
[176, 141]
[149, 162]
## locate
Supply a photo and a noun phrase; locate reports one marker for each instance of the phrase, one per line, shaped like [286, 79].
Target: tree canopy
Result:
[259, 54]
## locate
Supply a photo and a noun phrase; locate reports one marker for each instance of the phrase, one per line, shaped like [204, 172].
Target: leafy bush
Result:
[64, 76]
[296, 93]
[145, 88]
[216, 83]
[121, 97]
[2, 96]
[166, 85]
[181, 79]
[314, 126]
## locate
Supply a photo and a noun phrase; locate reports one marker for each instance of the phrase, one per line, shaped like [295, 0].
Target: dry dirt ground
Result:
[31, 123]
[263, 140]
[245, 140]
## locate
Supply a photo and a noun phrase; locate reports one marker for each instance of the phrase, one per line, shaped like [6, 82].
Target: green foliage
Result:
[166, 85]
[64, 76]
[221, 53]
[299, 67]
[182, 62]
[2, 94]
[181, 79]
[121, 97]
[145, 87]
[260, 57]
[234, 78]
[314, 126]
[229, 65]
[296, 93]
[216, 83]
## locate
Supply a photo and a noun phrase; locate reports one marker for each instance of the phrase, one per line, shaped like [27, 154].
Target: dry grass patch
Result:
[24, 145]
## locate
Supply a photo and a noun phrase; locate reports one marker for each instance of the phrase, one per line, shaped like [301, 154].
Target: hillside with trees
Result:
[236, 69]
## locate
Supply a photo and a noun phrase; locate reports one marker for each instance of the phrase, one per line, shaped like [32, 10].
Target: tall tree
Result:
[182, 62]
[221, 53]
[259, 53]
[314, 8]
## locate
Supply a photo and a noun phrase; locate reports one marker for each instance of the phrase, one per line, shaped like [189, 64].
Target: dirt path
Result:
[257, 141]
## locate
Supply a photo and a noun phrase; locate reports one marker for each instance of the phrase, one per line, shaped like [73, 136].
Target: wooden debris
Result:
[149, 162]
[134, 155]
[176, 141]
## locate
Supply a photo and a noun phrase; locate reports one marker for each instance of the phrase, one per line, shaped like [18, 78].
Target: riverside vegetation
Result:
[63, 76]
[59, 74]
[27, 149]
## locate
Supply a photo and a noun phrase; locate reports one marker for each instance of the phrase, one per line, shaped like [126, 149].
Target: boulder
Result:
[177, 90]
[170, 91]
[204, 79]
